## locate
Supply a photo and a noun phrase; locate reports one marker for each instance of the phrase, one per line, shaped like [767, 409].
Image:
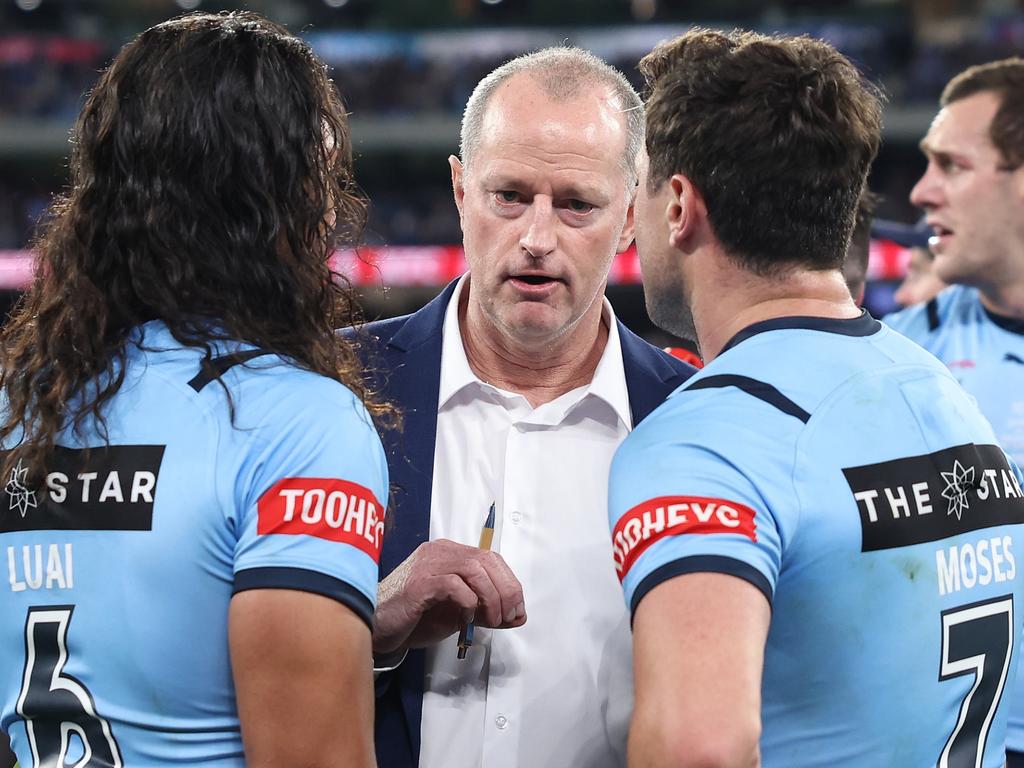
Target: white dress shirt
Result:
[558, 691]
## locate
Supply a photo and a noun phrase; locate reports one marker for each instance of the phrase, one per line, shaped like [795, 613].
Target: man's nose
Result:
[540, 238]
[927, 192]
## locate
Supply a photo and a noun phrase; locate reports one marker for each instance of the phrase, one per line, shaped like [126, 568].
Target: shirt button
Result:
[501, 721]
[516, 517]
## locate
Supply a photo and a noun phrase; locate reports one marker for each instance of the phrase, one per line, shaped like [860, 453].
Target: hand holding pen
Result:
[486, 538]
[437, 590]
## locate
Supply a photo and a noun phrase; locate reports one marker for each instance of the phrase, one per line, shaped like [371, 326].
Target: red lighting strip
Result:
[430, 265]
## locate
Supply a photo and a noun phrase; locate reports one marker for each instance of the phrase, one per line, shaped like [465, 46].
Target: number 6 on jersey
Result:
[55, 705]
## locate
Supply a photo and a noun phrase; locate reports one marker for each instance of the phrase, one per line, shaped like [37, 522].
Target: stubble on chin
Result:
[670, 312]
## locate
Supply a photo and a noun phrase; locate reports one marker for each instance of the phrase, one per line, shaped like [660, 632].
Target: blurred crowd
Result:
[406, 75]
[388, 73]
[20, 208]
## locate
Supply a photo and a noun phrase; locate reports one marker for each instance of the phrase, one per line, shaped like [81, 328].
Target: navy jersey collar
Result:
[864, 325]
[1011, 324]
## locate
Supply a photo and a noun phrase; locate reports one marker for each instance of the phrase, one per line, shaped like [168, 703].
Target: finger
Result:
[453, 589]
[518, 619]
[489, 612]
[510, 591]
[488, 575]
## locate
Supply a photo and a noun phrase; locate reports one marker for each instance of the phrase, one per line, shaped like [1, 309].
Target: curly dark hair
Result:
[777, 133]
[210, 170]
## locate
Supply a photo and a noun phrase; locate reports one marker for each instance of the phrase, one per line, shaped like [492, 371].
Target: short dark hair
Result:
[777, 134]
[1006, 79]
[206, 161]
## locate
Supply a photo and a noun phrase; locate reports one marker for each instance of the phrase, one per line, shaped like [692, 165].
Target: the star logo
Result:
[958, 483]
[21, 497]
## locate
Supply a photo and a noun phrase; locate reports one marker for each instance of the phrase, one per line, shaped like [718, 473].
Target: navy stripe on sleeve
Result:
[304, 580]
[701, 564]
[762, 390]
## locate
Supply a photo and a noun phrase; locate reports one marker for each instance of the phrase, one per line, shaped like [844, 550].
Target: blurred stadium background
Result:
[405, 69]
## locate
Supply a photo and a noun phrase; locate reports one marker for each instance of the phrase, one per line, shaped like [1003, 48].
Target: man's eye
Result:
[507, 196]
[579, 206]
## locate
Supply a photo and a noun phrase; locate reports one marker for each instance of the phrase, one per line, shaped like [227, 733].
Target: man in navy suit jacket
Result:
[516, 384]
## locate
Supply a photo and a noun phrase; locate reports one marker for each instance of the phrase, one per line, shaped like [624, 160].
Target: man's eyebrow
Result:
[574, 191]
[501, 180]
[938, 153]
[504, 180]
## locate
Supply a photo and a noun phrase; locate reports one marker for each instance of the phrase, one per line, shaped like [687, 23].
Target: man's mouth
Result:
[534, 285]
[535, 279]
[940, 235]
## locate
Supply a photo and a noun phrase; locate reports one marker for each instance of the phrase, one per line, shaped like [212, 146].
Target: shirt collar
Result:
[455, 371]
[608, 384]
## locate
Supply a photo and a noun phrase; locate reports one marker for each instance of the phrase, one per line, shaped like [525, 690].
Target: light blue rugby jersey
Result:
[840, 469]
[114, 647]
[985, 352]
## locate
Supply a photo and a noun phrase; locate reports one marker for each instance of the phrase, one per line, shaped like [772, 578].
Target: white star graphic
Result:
[958, 483]
[21, 497]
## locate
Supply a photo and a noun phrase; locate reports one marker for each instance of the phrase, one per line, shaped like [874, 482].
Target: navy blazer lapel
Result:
[406, 366]
[651, 375]
[412, 380]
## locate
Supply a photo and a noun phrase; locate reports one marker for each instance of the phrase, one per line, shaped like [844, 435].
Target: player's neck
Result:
[539, 370]
[727, 299]
[1005, 299]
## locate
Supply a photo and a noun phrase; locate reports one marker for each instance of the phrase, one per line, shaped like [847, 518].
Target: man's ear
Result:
[1018, 184]
[457, 188]
[685, 212]
[629, 228]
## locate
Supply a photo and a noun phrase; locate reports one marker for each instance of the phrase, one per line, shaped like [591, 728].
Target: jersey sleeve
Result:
[308, 495]
[687, 504]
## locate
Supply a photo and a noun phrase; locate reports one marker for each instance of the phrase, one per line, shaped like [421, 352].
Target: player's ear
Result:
[685, 211]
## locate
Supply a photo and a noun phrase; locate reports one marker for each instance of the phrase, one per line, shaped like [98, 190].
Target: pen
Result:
[486, 536]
